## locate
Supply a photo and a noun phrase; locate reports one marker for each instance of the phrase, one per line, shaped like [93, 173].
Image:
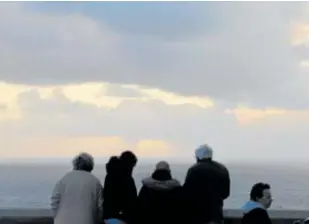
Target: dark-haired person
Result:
[77, 197]
[120, 194]
[255, 210]
[206, 186]
[160, 199]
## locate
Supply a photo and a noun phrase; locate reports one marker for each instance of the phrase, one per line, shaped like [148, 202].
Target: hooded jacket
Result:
[254, 213]
[119, 192]
[159, 200]
[206, 186]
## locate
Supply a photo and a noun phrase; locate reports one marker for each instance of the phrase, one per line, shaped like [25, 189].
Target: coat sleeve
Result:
[55, 198]
[226, 184]
[130, 202]
[99, 201]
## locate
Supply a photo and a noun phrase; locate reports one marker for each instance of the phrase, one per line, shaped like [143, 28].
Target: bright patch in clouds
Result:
[73, 79]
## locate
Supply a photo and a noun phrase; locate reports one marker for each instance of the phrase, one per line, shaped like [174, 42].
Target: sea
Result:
[30, 185]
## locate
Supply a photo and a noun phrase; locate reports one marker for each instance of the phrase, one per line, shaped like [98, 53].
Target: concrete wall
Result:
[43, 216]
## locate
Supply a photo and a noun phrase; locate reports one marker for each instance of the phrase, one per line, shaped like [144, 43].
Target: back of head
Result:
[162, 171]
[128, 160]
[203, 152]
[84, 162]
[113, 165]
[257, 191]
[163, 165]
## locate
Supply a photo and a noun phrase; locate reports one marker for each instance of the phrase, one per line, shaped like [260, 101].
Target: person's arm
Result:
[99, 201]
[130, 201]
[55, 198]
[226, 185]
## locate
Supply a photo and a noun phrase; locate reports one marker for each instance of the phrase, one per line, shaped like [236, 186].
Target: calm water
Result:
[25, 186]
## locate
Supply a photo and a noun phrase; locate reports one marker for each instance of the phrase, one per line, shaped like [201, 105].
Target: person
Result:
[159, 200]
[77, 197]
[206, 186]
[120, 194]
[255, 210]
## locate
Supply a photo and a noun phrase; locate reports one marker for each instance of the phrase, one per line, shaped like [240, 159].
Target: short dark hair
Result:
[129, 158]
[257, 190]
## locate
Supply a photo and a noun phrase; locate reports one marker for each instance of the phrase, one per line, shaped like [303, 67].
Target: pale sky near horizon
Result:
[157, 78]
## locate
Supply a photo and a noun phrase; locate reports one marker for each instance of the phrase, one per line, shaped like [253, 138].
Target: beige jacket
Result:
[77, 198]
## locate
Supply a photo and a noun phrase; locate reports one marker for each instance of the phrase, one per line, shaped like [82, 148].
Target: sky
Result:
[156, 78]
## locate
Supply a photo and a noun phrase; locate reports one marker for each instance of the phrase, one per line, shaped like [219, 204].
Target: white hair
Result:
[204, 152]
[83, 161]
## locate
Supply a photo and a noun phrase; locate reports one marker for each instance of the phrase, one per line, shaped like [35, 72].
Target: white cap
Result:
[203, 152]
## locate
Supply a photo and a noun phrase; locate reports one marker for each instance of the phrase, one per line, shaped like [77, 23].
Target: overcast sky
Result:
[157, 78]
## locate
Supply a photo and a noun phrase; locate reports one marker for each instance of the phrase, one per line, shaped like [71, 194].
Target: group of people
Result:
[80, 198]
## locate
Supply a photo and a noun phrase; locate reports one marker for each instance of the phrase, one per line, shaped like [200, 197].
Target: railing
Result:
[232, 216]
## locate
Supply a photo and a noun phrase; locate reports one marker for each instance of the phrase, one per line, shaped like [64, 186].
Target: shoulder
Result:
[89, 177]
[219, 165]
[258, 213]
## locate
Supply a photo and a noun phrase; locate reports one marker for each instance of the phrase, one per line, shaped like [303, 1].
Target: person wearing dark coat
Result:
[255, 210]
[159, 200]
[206, 186]
[119, 192]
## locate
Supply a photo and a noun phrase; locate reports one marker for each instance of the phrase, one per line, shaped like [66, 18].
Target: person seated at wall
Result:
[255, 210]
[77, 197]
[160, 199]
[120, 193]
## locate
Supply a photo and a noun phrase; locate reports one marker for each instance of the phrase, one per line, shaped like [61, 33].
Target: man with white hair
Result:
[77, 197]
[206, 186]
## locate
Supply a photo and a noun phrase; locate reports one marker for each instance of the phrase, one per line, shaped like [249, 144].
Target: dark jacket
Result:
[254, 213]
[206, 185]
[160, 200]
[119, 193]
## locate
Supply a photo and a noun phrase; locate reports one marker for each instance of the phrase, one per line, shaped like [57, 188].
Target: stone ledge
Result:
[232, 216]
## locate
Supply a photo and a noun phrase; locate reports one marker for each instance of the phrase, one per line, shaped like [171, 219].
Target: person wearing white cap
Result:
[206, 186]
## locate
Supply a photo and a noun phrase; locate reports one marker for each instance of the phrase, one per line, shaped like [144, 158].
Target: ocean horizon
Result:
[29, 185]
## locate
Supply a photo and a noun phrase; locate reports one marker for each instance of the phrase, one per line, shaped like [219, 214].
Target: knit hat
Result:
[162, 165]
[203, 152]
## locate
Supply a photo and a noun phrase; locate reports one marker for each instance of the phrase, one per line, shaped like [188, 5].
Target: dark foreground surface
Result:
[43, 216]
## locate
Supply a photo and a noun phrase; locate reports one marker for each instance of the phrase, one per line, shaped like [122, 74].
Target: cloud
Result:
[58, 126]
[119, 91]
[244, 54]
[55, 147]
[233, 75]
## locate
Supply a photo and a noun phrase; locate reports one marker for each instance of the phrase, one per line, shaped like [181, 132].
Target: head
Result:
[162, 171]
[112, 166]
[261, 193]
[203, 152]
[84, 162]
[162, 165]
[129, 160]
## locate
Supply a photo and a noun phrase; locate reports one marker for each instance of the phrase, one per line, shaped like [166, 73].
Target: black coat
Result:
[160, 200]
[206, 186]
[256, 216]
[119, 192]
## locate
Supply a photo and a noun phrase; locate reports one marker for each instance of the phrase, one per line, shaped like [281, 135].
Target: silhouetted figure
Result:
[160, 200]
[255, 210]
[120, 194]
[77, 197]
[206, 186]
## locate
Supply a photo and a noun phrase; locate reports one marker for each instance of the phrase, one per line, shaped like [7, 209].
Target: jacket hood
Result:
[160, 184]
[113, 165]
[161, 180]
[251, 205]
